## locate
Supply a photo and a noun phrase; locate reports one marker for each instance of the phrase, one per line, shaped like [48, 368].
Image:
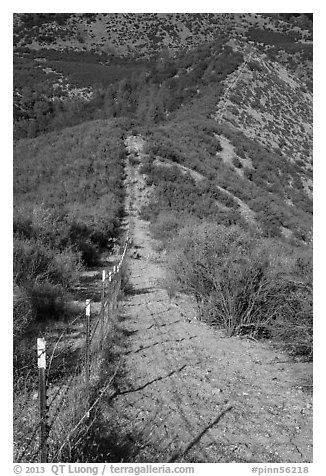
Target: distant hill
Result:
[227, 96]
[142, 35]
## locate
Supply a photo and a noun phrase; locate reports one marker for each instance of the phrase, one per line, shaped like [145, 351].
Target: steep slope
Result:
[264, 166]
[260, 148]
[270, 105]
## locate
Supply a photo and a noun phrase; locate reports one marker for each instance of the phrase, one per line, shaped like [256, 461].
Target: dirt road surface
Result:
[180, 374]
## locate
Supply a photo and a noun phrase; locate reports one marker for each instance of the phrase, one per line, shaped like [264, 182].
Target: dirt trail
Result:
[180, 374]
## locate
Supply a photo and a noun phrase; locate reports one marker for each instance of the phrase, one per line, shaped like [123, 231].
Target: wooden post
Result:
[87, 356]
[41, 363]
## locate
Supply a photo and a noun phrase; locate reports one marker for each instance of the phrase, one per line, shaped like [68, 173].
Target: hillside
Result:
[193, 135]
[222, 141]
[224, 96]
[212, 94]
[204, 398]
[270, 105]
[68, 203]
[69, 56]
[289, 39]
[143, 34]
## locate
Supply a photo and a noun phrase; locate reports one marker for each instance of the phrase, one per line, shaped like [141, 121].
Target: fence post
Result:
[87, 356]
[118, 284]
[109, 299]
[41, 363]
[114, 282]
[103, 308]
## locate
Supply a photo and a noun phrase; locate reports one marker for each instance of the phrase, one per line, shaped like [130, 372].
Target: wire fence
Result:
[55, 401]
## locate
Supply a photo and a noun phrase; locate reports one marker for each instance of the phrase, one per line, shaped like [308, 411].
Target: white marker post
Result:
[103, 308]
[41, 363]
[87, 356]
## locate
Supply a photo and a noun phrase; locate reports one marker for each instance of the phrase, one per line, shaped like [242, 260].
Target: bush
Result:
[69, 199]
[237, 162]
[35, 261]
[297, 329]
[47, 300]
[41, 276]
[255, 66]
[165, 226]
[133, 160]
[245, 284]
[22, 311]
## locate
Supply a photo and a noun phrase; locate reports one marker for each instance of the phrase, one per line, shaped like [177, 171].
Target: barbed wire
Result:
[31, 439]
[35, 454]
[83, 434]
[58, 399]
[63, 352]
[57, 411]
[79, 316]
[58, 391]
[94, 327]
[80, 349]
[86, 414]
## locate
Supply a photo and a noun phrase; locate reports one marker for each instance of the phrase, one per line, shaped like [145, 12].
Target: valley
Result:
[192, 136]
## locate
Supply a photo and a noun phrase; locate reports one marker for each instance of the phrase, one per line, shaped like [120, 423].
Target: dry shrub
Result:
[125, 274]
[297, 328]
[246, 284]
[166, 225]
[22, 311]
[35, 260]
[42, 275]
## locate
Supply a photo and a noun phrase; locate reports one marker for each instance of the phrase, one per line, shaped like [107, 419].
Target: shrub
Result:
[41, 276]
[255, 66]
[165, 226]
[49, 226]
[47, 300]
[35, 261]
[133, 160]
[68, 201]
[22, 311]
[31, 260]
[22, 224]
[245, 284]
[237, 162]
